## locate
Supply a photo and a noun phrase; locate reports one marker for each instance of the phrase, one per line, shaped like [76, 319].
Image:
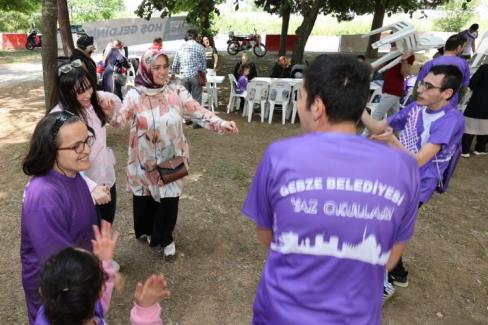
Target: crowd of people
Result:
[333, 222]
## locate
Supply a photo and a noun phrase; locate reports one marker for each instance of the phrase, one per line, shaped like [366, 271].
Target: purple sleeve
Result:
[446, 133]
[397, 121]
[466, 74]
[48, 230]
[242, 84]
[406, 227]
[257, 205]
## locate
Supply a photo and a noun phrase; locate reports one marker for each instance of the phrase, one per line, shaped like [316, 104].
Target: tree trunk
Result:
[379, 15]
[284, 27]
[49, 49]
[303, 31]
[65, 27]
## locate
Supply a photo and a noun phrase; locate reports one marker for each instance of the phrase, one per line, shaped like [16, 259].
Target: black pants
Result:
[107, 211]
[480, 146]
[155, 219]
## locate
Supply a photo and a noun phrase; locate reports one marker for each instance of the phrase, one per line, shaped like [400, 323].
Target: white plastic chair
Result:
[375, 97]
[257, 92]
[233, 95]
[279, 93]
[406, 40]
[294, 98]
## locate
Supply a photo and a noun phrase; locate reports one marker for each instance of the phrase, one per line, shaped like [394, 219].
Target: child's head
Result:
[71, 283]
[244, 70]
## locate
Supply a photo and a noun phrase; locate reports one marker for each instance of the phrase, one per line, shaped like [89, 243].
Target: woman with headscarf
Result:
[157, 109]
[114, 64]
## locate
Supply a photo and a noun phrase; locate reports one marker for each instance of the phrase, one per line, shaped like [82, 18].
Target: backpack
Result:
[445, 178]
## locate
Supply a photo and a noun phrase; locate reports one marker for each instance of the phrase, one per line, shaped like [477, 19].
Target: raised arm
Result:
[373, 126]
[205, 118]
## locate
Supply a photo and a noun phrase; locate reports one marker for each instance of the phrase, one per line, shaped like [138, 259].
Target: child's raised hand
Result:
[153, 289]
[104, 242]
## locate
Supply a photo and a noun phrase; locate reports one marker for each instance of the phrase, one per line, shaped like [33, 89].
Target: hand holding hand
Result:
[231, 127]
[153, 289]
[101, 194]
[387, 137]
[104, 242]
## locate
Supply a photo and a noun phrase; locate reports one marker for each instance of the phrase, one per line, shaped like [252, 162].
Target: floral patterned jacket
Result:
[156, 134]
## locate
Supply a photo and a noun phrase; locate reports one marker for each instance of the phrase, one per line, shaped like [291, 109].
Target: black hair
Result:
[361, 57]
[158, 40]
[42, 152]
[84, 41]
[72, 83]
[71, 282]
[191, 34]
[453, 77]
[474, 27]
[454, 41]
[341, 82]
[210, 40]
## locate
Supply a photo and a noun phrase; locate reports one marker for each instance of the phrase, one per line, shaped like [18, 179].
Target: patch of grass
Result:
[19, 56]
[230, 171]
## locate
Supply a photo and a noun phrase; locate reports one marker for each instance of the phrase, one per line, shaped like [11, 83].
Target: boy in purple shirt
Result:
[332, 219]
[452, 50]
[430, 130]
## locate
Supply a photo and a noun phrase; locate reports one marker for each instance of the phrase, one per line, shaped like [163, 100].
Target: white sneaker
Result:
[170, 250]
[480, 153]
[465, 155]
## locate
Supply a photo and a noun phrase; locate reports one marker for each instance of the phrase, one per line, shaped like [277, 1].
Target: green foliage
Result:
[457, 13]
[347, 9]
[93, 10]
[18, 15]
[18, 22]
[200, 13]
[23, 6]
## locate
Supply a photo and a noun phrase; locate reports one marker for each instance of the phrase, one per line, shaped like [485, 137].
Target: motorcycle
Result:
[241, 43]
[33, 39]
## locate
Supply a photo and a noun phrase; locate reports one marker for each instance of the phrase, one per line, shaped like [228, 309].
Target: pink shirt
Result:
[102, 171]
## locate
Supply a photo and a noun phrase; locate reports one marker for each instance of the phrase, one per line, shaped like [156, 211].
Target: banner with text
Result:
[134, 31]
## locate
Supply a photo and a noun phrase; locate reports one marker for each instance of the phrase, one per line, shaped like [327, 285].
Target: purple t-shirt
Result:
[419, 125]
[241, 84]
[336, 204]
[461, 63]
[57, 212]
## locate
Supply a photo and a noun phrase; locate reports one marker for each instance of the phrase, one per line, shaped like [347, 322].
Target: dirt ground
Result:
[214, 278]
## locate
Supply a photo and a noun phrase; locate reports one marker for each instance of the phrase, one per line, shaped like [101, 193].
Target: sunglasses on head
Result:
[62, 117]
[67, 68]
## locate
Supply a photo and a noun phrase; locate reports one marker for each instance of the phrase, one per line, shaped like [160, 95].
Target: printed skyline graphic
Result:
[368, 250]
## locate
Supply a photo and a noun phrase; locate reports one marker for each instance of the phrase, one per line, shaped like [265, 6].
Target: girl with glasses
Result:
[57, 209]
[76, 94]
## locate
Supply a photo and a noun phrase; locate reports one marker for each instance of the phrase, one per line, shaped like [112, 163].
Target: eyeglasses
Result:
[428, 85]
[66, 68]
[63, 117]
[79, 147]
